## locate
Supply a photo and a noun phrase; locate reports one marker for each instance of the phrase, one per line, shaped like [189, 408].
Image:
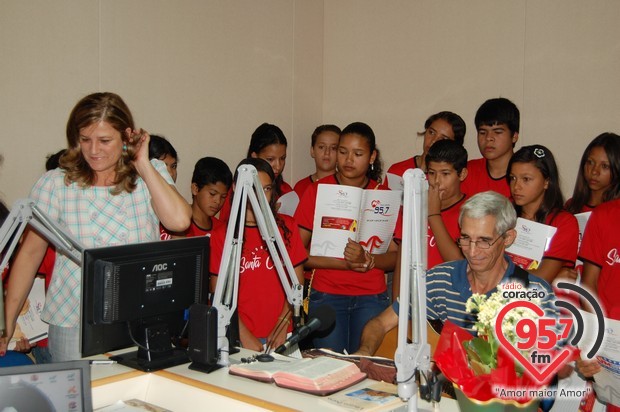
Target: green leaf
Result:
[480, 350]
[480, 368]
[472, 355]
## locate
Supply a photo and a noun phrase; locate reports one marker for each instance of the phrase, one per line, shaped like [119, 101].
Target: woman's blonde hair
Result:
[94, 108]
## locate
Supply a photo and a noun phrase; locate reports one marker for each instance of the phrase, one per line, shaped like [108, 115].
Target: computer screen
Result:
[63, 386]
[138, 295]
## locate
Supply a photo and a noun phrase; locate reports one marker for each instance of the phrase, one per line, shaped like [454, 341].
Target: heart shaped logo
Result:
[547, 363]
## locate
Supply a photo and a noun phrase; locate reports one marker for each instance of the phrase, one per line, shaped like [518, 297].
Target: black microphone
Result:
[323, 319]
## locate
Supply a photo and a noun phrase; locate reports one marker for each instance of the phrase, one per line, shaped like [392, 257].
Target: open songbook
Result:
[318, 376]
[347, 212]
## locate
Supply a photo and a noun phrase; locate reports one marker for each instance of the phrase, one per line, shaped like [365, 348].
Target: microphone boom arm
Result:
[226, 291]
[415, 355]
[24, 213]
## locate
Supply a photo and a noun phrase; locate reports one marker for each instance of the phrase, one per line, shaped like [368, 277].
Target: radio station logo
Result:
[379, 208]
[543, 343]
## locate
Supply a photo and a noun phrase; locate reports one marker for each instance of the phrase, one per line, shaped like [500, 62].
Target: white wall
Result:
[392, 64]
[205, 73]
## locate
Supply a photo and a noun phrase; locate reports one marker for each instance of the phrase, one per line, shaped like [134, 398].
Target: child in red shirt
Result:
[535, 189]
[355, 286]
[264, 313]
[497, 123]
[268, 143]
[598, 177]
[323, 150]
[211, 182]
[440, 126]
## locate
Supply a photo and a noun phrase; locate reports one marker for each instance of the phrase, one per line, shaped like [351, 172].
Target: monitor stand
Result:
[157, 352]
[133, 360]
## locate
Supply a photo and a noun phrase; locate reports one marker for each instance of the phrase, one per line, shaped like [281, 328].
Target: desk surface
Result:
[260, 394]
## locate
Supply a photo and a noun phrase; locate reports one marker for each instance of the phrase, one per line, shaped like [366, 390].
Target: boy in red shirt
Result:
[210, 184]
[497, 124]
[446, 161]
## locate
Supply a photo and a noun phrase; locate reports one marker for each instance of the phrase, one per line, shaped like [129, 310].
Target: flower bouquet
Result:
[481, 367]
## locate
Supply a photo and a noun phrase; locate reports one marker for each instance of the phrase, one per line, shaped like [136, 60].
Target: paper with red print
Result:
[347, 212]
[533, 239]
[29, 324]
[607, 381]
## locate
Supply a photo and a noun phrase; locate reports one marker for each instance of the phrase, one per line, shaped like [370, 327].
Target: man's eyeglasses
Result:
[480, 244]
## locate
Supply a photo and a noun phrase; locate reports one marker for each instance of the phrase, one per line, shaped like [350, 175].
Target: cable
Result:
[135, 342]
[278, 329]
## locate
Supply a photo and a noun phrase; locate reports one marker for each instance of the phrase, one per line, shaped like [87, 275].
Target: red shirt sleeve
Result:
[564, 243]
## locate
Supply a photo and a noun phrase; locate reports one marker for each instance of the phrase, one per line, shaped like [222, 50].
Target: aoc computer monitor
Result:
[139, 295]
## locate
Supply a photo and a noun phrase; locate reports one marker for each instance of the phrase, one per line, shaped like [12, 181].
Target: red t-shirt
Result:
[302, 185]
[334, 281]
[399, 169]
[479, 180]
[601, 246]
[565, 242]
[261, 296]
[584, 208]
[192, 231]
[225, 210]
[450, 217]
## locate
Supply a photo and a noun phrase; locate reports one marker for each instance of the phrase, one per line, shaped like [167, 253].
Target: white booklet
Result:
[287, 204]
[29, 323]
[395, 182]
[380, 396]
[607, 381]
[533, 239]
[347, 212]
[582, 219]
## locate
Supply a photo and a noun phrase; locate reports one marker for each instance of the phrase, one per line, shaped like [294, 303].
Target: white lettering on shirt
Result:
[613, 257]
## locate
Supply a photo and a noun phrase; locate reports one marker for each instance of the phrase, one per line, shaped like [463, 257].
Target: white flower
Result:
[488, 308]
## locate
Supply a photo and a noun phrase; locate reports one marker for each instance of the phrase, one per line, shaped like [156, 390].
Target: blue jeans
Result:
[42, 354]
[352, 314]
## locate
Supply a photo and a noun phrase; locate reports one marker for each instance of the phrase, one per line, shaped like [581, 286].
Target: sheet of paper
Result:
[533, 239]
[288, 203]
[132, 405]
[607, 382]
[582, 219]
[378, 396]
[29, 323]
[395, 182]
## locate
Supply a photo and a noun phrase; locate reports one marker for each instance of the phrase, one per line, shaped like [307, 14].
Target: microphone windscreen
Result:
[327, 315]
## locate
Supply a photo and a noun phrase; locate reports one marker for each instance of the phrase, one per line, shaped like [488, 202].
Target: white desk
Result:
[182, 389]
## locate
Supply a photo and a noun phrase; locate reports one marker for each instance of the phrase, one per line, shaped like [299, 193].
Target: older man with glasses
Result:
[487, 221]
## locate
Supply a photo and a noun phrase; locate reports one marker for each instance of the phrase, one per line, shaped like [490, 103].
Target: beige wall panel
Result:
[572, 78]
[392, 64]
[206, 73]
[203, 73]
[307, 87]
[48, 60]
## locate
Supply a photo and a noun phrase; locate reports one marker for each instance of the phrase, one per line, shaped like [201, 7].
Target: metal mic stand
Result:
[248, 187]
[23, 213]
[415, 355]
